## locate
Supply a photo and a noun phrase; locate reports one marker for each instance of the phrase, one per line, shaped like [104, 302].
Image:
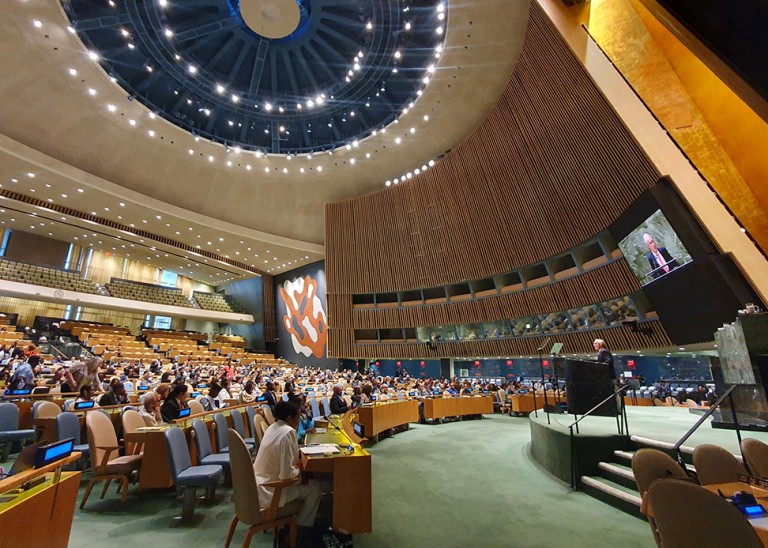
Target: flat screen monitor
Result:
[20, 392]
[522, 392]
[411, 394]
[84, 405]
[436, 391]
[52, 452]
[653, 249]
[261, 399]
[196, 394]
[184, 413]
[143, 387]
[373, 398]
[202, 385]
[359, 429]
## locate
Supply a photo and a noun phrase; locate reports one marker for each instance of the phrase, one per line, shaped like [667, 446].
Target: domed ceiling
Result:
[276, 76]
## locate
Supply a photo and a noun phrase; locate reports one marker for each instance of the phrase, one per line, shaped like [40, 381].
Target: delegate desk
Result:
[41, 515]
[438, 408]
[380, 417]
[351, 473]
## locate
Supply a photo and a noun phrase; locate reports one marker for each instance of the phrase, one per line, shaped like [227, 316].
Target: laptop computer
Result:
[26, 459]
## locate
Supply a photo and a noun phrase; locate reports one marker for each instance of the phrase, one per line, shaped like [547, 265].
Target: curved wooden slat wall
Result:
[550, 167]
[578, 342]
[607, 282]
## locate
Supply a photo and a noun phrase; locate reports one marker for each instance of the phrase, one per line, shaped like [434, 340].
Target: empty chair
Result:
[266, 412]
[251, 412]
[132, 421]
[48, 410]
[716, 465]
[649, 465]
[756, 454]
[717, 522]
[68, 426]
[195, 407]
[187, 476]
[205, 454]
[35, 407]
[222, 440]
[9, 428]
[326, 407]
[315, 404]
[246, 496]
[129, 387]
[259, 427]
[239, 426]
[68, 403]
[106, 461]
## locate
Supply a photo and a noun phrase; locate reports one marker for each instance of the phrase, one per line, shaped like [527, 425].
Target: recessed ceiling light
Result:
[91, 91]
[73, 72]
[93, 56]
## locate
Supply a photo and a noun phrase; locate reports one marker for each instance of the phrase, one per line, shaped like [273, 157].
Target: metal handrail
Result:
[622, 424]
[585, 415]
[727, 394]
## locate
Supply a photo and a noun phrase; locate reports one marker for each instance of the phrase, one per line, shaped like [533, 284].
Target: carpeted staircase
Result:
[615, 483]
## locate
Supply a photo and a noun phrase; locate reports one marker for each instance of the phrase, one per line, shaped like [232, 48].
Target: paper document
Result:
[321, 430]
[320, 449]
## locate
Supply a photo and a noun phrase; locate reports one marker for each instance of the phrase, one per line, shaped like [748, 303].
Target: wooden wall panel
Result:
[550, 167]
[268, 297]
[578, 342]
[610, 281]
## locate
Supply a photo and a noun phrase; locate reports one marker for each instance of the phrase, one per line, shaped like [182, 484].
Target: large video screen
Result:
[653, 250]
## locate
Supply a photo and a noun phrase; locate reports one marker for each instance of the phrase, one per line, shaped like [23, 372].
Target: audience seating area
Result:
[136, 291]
[119, 288]
[47, 277]
[215, 301]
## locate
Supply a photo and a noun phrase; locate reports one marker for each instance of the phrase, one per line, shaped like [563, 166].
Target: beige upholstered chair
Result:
[48, 410]
[132, 421]
[195, 407]
[259, 426]
[248, 509]
[105, 460]
[716, 465]
[756, 454]
[268, 416]
[689, 515]
[649, 465]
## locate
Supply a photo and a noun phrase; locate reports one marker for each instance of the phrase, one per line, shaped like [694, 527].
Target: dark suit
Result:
[338, 405]
[170, 409]
[270, 399]
[604, 356]
[670, 262]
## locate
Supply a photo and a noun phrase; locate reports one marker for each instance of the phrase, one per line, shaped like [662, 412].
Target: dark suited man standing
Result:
[659, 258]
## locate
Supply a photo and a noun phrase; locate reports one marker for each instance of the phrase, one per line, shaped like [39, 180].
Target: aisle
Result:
[470, 483]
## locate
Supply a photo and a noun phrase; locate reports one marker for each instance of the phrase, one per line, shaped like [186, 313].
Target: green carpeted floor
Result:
[456, 484]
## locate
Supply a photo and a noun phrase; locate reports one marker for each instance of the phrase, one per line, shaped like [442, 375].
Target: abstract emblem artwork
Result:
[305, 318]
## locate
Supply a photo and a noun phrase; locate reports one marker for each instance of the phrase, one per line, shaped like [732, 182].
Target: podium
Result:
[587, 384]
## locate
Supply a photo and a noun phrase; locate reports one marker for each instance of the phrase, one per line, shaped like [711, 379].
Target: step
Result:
[617, 473]
[667, 446]
[612, 493]
[626, 456]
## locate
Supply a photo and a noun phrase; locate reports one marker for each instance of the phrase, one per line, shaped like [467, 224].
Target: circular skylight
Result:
[279, 76]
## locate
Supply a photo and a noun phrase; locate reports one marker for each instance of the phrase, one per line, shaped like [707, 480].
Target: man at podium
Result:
[604, 356]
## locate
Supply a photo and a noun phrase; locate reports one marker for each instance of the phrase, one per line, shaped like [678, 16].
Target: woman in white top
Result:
[150, 411]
